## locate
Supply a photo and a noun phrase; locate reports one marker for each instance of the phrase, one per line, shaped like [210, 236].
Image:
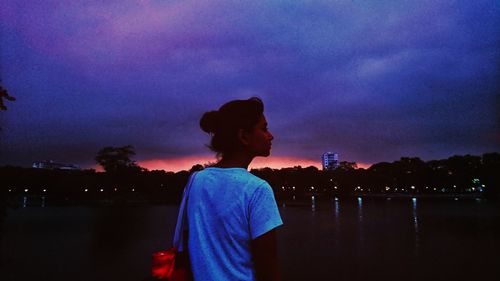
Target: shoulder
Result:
[254, 184]
[231, 174]
[246, 181]
[255, 179]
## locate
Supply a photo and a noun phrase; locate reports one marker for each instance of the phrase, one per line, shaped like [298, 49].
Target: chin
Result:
[265, 154]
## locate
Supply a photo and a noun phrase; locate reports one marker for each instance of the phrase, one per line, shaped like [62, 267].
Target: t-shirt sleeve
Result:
[263, 211]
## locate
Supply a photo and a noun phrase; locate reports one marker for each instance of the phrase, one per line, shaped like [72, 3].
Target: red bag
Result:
[174, 265]
[171, 265]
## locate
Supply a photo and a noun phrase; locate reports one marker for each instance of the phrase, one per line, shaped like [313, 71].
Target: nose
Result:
[271, 137]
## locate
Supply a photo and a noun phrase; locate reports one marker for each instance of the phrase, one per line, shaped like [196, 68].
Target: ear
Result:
[243, 136]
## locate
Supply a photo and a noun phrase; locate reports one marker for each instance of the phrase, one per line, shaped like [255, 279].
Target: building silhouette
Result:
[330, 160]
[51, 165]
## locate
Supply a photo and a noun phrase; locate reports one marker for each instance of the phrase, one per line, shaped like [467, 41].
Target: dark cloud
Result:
[373, 81]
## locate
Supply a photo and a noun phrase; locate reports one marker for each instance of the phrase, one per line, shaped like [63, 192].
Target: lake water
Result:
[344, 239]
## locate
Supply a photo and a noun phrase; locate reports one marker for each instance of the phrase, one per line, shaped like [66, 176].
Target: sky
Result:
[371, 80]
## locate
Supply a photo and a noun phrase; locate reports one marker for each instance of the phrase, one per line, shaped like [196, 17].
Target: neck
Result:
[236, 160]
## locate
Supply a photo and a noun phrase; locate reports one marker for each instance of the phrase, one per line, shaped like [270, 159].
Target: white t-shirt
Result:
[227, 209]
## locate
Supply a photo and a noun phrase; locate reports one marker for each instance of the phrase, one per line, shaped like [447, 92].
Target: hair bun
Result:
[209, 121]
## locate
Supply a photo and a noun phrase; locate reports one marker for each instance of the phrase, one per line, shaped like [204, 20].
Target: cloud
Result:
[370, 80]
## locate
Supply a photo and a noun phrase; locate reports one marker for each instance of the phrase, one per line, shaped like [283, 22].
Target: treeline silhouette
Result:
[408, 176]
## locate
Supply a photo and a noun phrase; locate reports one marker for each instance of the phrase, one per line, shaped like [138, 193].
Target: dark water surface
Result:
[344, 239]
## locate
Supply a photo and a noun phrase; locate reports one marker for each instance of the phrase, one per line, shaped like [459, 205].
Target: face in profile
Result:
[258, 141]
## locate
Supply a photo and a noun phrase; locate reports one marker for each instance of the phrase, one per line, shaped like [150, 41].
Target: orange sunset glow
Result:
[275, 162]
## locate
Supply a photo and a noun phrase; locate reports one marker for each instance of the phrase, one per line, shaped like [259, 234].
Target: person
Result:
[232, 214]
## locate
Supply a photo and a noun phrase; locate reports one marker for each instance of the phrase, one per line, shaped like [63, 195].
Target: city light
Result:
[86, 190]
[45, 190]
[102, 190]
[26, 190]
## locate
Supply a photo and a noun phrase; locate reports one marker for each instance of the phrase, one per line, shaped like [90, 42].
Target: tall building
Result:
[330, 160]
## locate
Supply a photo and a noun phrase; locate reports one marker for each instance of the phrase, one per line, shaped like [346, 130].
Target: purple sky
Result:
[371, 80]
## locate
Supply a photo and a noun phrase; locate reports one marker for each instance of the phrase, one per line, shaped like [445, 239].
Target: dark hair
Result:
[225, 123]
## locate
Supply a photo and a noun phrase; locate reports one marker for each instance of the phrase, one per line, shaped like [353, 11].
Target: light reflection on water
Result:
[360, 224]
[336, 208]
[415, 225]
[345, 239]
[360, 210]
[359, 214]
[27, 201]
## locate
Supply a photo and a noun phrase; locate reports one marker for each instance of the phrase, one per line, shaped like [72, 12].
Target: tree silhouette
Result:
[3, 196]
[5, 95]
[117, 159]
[347, 166]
